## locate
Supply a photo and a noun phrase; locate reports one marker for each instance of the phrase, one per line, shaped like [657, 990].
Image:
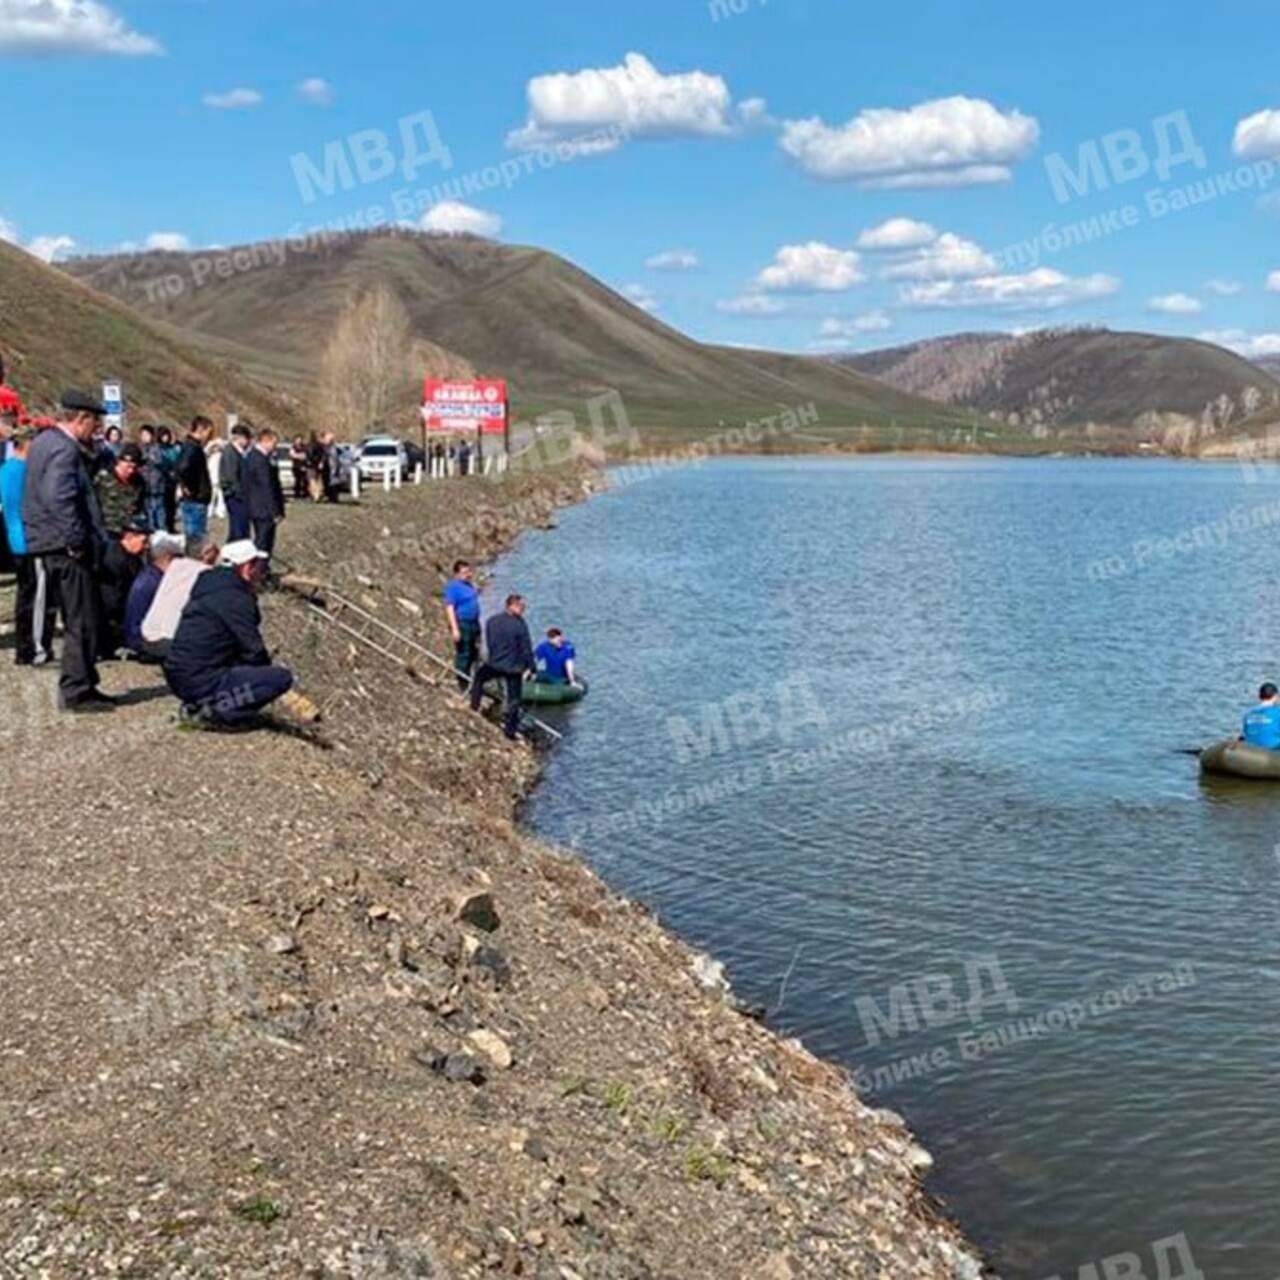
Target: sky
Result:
[807, 175]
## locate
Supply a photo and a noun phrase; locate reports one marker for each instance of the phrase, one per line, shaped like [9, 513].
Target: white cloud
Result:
[948, 258]
[167, 242]
[318, 92]
[1273, 282]
[1251, 346]
[752, 304]
[946, 142]
[897, 233]
[634, 99]
[69, 27]
[233, 99]
[674, 260]
[454, 217]
[811, 268]
[1224, 288]
[51, 248]
[8, 232]
[1175, 304]
[868, 322]
[640, 297]
[754, 114]
[1258, 136]
[1042, 289]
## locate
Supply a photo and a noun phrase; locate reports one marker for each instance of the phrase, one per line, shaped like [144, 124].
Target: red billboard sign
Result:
[452, 406]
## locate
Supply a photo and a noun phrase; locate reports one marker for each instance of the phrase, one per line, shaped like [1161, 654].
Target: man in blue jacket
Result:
[510, 657]
[63, 527]
[217, 664]
[35, 609]
[1262, 724]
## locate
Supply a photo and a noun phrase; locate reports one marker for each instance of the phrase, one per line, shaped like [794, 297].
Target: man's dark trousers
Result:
[237, 694]
[71, 579]
[512, 682]
[237, 519]
[35, 611]
[264, 535]
[466, 650]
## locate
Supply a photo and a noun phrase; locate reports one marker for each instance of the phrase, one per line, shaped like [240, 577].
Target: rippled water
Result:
[1028, 676]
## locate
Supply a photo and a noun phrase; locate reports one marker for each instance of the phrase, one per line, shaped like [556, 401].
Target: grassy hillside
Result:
[56, 332]
[560, 336]
[1171, 389]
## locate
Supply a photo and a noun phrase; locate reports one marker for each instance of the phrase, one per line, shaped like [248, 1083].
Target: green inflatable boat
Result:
[1238, 759]
[541, 693]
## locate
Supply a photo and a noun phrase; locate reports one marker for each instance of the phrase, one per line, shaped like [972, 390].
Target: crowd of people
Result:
[113, 537]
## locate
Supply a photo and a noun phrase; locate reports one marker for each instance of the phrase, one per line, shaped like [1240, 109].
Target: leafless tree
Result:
[366, 374]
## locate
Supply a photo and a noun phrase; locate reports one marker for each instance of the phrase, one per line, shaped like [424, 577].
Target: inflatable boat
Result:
[1240, 760]
[542, 693]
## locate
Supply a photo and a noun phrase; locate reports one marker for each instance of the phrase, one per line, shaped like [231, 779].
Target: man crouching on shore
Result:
[218, 665]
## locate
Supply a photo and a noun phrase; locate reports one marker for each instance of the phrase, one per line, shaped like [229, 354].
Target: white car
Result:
[382, 454]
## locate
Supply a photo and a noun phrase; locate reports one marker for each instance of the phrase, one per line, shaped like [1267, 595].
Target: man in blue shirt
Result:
[1262, 724]
[36, 608]
[555, 657]
[462, 611]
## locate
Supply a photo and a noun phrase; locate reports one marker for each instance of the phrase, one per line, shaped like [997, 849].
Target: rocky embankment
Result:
[310, 1004]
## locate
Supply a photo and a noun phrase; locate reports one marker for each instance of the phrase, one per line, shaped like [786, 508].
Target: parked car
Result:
[284, 464]
[380, 455]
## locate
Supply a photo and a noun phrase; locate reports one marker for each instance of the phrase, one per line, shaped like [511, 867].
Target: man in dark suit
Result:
[510, 657]
[263, 495]
[63, 525]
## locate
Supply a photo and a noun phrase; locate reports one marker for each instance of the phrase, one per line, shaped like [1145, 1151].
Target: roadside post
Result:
[113, 400]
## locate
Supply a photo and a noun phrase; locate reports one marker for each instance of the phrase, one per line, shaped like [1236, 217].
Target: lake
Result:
[905, 744]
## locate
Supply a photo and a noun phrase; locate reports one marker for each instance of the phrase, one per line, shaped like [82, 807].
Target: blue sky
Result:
[800, 174]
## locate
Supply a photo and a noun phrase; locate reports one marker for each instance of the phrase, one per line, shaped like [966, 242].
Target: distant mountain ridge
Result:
[560, 336]
[1178, 391]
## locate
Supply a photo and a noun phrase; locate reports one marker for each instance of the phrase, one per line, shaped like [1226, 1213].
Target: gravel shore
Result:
[309, 1003]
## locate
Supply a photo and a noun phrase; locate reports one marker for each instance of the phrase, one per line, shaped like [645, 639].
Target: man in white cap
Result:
[218, 665]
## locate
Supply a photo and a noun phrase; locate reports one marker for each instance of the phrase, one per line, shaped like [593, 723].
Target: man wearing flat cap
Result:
[63, 524]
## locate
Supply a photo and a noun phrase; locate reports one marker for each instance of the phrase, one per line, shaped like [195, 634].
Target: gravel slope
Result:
[286, 1004]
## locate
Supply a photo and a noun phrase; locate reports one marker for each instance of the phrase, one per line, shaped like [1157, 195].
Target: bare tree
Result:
[366, 373]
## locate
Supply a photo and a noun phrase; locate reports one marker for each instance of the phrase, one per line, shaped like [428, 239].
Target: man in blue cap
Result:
[63, 525]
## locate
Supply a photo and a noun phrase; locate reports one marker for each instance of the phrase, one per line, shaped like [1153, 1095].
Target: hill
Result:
[1270, 363]
[1176, 391]
[57, 332]
[559, 335]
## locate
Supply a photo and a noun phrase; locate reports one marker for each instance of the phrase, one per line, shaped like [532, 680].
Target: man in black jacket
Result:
[231, 481]
[263, 495]
[510, 656]
[195, 491]
[64, 530]
[121, 562]
[217, 664]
